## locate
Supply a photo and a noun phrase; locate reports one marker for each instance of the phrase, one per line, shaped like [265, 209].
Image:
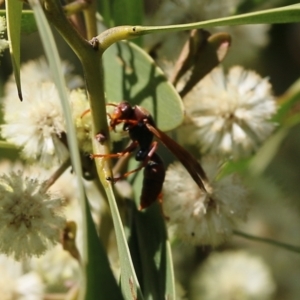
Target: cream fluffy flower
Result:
[203, 218]
[233, 275]
[58, 269]
[31, 218]
[3, 42]
[82, 119]
[17, 285]
[37, 124]
[37, 71]
[231, 114]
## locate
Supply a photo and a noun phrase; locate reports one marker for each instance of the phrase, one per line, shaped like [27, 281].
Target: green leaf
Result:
[249, 5]
[286, 14]
[286, 103]
[129, 283]
[267, 152]
[55, 66]
[150, 246]
[13, 15]
[231, 166]
[28, 24]
[128, 12]
[121, 12]
[131, 74]
[101, 279]
[105, 11]
[157, 270]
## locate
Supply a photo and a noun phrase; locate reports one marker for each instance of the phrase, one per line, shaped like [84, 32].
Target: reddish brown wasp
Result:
[142, 129]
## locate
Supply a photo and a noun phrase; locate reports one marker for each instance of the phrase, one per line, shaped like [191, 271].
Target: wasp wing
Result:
[188, 161]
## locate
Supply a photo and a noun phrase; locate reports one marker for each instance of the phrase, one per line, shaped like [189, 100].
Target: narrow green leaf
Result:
[13, 16]
[129, 282]
[231, 166]
[155, 265]
[105, 11]
[55, 66]
[122, 12]
[131, 74]
[249, 5]
[126, 12]
[170, 277]
[154, 253]
[286, 14]
[287, 102]
[28, 24]
[101, 283]
[267, 152]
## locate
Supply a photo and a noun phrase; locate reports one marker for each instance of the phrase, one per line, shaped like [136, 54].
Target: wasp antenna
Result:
[111, 104]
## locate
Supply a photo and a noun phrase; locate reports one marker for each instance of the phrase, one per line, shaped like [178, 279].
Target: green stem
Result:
[267, 241]
[90, 19]
[92, 67]
[75, 7]
[116, 34]
[288, 14]
[7, 145]
[55, 14]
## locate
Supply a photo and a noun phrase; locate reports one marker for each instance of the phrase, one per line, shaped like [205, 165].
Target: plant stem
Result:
[57, 173]
[267, 241]
[91, 61]
[75, 7]
[90, 19]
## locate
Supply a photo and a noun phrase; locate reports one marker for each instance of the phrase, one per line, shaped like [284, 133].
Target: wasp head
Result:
[122, 111]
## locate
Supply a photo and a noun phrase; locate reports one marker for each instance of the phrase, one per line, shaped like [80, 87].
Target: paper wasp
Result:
[142, 129]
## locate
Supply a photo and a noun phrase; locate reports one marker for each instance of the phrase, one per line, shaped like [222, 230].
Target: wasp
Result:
[140, 125]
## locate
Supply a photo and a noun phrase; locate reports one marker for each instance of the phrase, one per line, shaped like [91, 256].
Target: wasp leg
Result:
[132, 146]
[85, 112]
[142, 165]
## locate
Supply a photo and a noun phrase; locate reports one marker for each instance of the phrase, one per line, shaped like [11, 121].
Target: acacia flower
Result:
[233, 275]
[16, 284]
[37, 72]
[31, 218]
[37, 124]
[82, 119]
[3, 42]
[203, 218]
[231, 114]
[58, 269]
